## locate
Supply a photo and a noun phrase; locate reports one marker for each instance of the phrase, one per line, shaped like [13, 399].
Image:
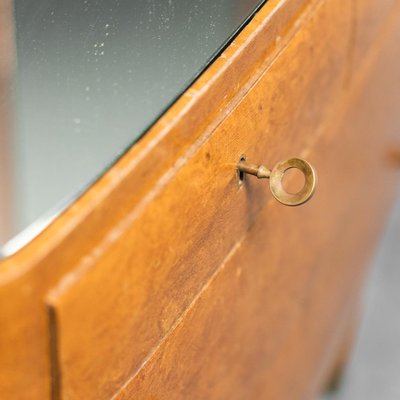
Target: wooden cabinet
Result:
[170, 280]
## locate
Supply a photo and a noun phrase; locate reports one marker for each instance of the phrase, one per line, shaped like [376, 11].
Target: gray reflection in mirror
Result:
[90, 77]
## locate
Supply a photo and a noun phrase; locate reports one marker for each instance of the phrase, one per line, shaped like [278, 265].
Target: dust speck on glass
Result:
[89, 78]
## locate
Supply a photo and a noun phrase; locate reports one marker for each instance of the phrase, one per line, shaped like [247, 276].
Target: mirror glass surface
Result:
[81, 81]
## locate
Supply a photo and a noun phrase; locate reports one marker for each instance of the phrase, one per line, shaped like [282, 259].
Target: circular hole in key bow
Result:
[293, 180]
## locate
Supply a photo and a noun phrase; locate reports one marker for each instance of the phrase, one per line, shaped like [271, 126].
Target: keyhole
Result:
[241, 174]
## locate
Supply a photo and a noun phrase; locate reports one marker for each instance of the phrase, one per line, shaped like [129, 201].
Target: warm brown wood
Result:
[369, 15]
[189, 231]
[78, 234]
[345, 348]
[270, 321]
[120, 289]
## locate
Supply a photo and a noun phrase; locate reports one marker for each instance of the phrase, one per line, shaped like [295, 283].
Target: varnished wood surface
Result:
[79, 234]
[166, 279]
[302, 300]
[188, 230]
[368, 18]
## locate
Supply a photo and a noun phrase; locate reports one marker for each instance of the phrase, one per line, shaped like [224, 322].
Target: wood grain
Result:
[120, 288]
[162, 257]
[79, 233]
[270, 321]
[369, 16]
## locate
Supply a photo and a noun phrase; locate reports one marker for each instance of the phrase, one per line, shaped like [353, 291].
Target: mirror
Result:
[81, 81]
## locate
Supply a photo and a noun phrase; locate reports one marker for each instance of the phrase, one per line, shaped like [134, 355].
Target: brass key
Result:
[276, 175]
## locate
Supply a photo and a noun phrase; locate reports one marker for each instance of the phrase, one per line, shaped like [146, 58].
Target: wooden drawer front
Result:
[268, 323]
[370, 17]
[109, 314]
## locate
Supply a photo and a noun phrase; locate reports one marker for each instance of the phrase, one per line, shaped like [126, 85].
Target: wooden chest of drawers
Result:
[171, 280]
